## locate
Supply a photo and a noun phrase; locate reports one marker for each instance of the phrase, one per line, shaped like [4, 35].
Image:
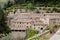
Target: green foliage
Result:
[50, 28]
[58, 10]
[29, 6]
[37, 3]
[3, 3]
[37, 11]
[54, 9]
[8, 4]
[49, 11]
[3, 26]
[56, 26]
[31, 33]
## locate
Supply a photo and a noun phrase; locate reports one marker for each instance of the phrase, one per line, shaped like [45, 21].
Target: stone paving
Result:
[56, 36]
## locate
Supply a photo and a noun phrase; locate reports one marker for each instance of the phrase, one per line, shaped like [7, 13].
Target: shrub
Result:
[37, 11]
[29, 6]
[8, 37]
[50, 28]
[58, 10]
[49, 11]
[31, 33]
[54, 9]
[44, 8]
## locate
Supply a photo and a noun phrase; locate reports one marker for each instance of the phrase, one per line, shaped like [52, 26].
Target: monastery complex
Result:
[37, 21]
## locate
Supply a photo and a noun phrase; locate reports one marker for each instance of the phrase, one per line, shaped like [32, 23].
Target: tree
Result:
[8, 4]
[19, 1]
[3, 25]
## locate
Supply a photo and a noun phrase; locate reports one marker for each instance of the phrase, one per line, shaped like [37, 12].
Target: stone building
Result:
[30, 20]
[23, 21]
[54, 18]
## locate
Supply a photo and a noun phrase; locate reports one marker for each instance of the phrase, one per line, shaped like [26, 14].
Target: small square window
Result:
[27, 26]
[30, 18]
[34, 24]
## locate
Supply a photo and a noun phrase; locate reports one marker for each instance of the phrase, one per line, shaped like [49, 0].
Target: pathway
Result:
[56, 36]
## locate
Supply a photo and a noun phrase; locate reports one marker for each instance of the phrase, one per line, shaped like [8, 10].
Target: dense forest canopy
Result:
[35, 2]
[4, 2]
[38, 1]
[3, 25]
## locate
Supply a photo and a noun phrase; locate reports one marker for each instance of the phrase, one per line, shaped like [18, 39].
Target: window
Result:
[18, 25]
[20, 22]
[41, 28]
[44, 14]
[27, 26]
[34, 24]
[27, 23]
[18, 30]
[30, 18]
[23, 30]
